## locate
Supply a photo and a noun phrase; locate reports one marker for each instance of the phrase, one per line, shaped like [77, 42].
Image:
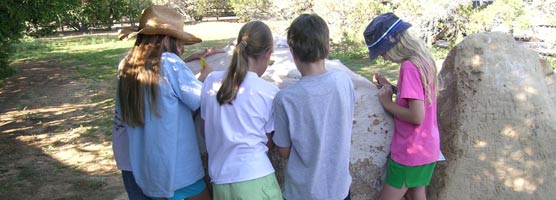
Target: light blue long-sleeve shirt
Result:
[163, 153]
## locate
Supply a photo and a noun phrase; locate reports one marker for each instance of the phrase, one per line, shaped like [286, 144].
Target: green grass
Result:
[97, 56]
[552, 62]
[92, 56]
[355, 57]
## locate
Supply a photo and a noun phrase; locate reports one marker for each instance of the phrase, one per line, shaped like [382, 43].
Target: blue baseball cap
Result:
[383, 33]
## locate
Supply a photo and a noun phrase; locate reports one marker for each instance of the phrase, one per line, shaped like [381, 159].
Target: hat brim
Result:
[185, 37]
[388, 42]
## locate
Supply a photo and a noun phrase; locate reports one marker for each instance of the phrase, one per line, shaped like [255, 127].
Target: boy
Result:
[313, 118]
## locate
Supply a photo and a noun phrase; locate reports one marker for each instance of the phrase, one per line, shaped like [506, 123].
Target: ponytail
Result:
[255, 38]
[235, 75]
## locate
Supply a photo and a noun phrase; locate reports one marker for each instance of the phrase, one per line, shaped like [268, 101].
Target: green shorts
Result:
[412, 176]
[264, 188]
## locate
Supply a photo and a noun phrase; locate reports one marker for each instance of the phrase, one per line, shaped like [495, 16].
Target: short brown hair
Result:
[308, 38]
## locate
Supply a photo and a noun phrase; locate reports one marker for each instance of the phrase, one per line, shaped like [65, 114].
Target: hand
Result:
[385, 94]
[380, 81]
[205, 72]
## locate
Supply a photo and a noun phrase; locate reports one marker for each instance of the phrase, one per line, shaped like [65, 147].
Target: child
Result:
[156, 146]
[236, 106]
[415, 144]
[313, 118]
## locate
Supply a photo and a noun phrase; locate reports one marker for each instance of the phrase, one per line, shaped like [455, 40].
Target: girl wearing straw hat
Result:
[156, 98]
[415, 144]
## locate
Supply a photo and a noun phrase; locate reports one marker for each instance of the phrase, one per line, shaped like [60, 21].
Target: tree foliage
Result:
[41, 17]
[86, 14]
[197, 9]
[12, 21]
[247, 10]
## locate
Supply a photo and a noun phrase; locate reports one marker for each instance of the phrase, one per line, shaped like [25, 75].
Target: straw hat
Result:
[160, 20]
[383, 33]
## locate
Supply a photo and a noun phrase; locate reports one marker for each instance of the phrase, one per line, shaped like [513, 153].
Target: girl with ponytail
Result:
[237, 108]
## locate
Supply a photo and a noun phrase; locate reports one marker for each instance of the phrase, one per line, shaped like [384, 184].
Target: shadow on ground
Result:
[55, 135]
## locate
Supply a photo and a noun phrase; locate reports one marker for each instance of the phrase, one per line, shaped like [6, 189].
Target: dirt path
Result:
[55, 135]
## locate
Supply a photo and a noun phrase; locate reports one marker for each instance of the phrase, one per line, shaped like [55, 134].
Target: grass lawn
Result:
[92, 56]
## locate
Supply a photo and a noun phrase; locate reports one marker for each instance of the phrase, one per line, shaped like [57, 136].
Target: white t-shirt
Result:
[235, 134]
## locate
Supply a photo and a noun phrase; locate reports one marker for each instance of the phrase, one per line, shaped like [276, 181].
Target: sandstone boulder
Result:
[372, 127]
[497, 119]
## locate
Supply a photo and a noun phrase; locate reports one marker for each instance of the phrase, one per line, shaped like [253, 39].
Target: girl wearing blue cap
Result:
[415, 144]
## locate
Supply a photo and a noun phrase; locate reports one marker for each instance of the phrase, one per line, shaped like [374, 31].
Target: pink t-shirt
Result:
[412, 144]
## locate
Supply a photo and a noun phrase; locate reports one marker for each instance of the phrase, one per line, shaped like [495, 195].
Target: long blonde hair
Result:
[139, 75]
[254, 39]
[414, 50]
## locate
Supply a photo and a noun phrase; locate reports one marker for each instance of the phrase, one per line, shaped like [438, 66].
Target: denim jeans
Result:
[349, 196]
[134, 192]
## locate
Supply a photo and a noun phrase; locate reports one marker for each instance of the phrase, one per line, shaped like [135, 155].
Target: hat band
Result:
[392, 28]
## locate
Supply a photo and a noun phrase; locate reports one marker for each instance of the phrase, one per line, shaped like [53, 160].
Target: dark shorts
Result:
[134, 192]
[399, 175]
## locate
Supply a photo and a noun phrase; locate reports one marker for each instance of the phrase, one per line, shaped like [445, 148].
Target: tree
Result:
[197, 9]
[88, 14]
[247, 10]
[42, 17]
[12, 21]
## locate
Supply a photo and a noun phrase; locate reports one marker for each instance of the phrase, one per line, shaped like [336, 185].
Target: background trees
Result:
[36, 18]
[432, 19]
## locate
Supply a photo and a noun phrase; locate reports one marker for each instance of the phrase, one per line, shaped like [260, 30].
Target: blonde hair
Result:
[414, 50]
[139, 75]
[254, 39]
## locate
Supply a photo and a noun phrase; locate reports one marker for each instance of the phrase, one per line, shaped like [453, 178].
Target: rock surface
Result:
[497, 119]
[372, 127]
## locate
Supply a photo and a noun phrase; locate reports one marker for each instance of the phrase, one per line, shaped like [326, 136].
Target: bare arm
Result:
[415, 114]
[203, 53]
[269, 143]
[284, 152]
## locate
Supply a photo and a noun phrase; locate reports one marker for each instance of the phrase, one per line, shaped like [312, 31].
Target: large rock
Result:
[497, 122]
[372, 127]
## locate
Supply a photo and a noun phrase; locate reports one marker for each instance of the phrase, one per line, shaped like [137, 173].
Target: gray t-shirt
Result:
[314, 117]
